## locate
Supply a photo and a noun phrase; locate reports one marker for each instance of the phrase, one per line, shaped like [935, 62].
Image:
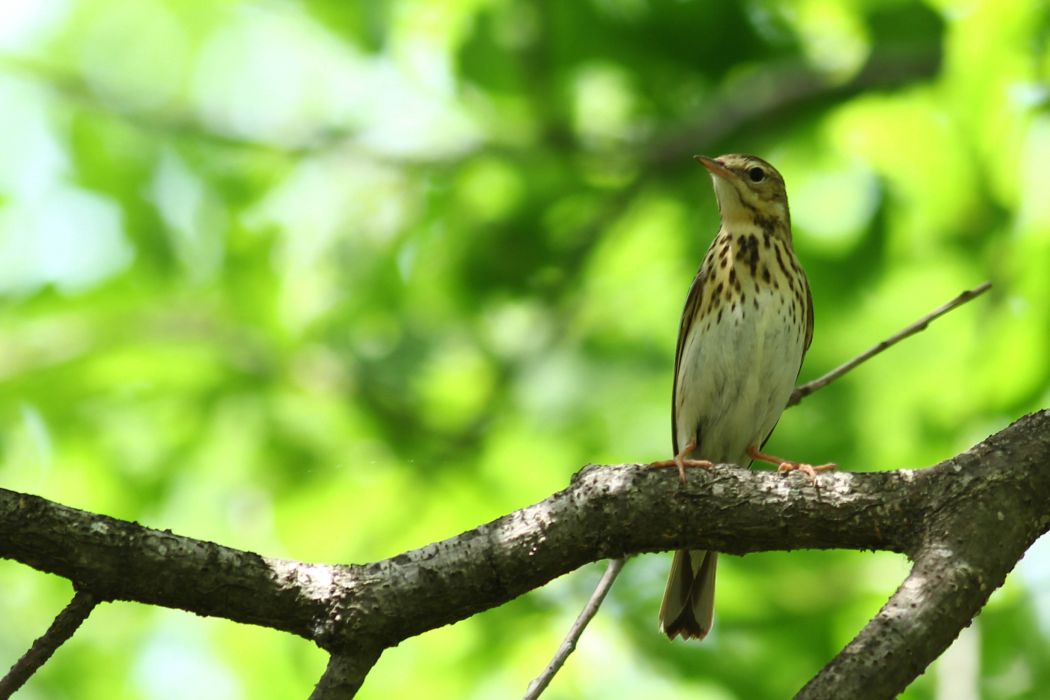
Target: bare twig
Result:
[809, 387]
[57, 634]
[615, 565]
[568, 645]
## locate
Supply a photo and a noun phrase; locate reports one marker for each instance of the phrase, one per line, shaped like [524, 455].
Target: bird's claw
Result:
[682, 463]
[693, 463]
[809, 470]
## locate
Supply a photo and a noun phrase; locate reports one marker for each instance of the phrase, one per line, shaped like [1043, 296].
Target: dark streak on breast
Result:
[752, 253]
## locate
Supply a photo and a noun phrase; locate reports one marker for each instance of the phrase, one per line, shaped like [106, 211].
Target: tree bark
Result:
[964, 522]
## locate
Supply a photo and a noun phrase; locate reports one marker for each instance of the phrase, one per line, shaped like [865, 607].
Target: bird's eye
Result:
[756, 174]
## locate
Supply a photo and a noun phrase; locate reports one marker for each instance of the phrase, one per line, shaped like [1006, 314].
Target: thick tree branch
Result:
[985, 507]
[606, 512]
[990, 504]
[120, 560]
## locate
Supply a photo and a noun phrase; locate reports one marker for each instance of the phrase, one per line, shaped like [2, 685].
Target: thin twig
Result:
[60, 630]
[568, 645]
[809, 387]
[616, 565]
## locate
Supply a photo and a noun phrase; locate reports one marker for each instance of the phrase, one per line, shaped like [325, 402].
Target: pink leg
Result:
[681, 461]
[786, 465]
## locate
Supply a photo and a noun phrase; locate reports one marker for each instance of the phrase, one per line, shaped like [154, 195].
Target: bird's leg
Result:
[681, 461]
[786, 465]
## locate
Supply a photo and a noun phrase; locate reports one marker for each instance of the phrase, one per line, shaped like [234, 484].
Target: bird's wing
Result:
[689, 313]
[809, 321]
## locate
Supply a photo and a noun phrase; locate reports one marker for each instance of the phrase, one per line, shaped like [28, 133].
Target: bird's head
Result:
[749, 190]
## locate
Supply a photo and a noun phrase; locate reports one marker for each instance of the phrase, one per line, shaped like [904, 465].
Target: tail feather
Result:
[689, 599]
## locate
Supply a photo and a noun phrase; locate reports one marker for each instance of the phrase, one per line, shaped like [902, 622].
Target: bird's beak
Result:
[715, 167]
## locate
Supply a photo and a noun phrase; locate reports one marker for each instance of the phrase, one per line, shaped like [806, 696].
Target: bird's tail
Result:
[689, 598]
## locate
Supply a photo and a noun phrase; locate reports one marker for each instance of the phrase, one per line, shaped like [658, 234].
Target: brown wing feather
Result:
[689, 313]
[809, 320]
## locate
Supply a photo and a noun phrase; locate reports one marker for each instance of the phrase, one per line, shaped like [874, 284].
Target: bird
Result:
[745, 328]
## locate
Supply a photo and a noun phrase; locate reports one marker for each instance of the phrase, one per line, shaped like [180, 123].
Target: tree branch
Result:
[120, 560]
[761, 96]
[344, 675]
[615, 566]
[568, 645]
[607, 512]
[973, 534]
[920, 325]
[62, 628]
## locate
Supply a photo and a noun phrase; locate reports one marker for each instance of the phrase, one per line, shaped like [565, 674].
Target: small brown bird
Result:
[747, 323]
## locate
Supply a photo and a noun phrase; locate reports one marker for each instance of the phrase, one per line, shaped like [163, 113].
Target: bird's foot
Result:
[786, 465]
[809, 470]
[682, 462]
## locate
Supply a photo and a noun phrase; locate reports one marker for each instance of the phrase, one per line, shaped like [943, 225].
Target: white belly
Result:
[735, 377]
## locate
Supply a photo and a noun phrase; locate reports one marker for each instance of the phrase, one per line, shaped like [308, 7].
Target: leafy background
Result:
[332, 280]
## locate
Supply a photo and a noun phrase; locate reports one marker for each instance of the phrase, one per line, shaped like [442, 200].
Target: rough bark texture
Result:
[965, 523]
[981, 511]
[345, 675]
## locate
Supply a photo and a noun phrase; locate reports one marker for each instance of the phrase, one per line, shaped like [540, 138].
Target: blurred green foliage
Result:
[331, 280]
